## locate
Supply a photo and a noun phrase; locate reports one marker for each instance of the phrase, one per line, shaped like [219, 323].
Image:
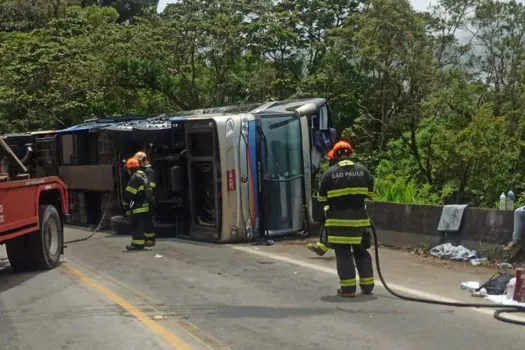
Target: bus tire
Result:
[120, 225]
[46, 244]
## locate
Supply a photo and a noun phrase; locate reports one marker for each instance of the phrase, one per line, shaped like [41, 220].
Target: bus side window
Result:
[323, 118]
[323, 135]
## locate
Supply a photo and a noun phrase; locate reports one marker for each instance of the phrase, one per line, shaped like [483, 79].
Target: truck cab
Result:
[32, 214]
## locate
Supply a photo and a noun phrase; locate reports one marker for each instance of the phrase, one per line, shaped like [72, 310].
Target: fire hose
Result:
[108, 198]
[497, 314]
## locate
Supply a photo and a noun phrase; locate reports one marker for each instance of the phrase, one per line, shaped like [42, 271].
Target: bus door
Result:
[322, 136]
[204, 179]
[280, 174]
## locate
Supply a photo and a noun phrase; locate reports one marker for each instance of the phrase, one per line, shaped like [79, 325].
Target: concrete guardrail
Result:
[411, 225]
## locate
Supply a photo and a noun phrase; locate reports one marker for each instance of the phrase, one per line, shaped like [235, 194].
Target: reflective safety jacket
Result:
[134, 198]
[344, 188]
[148, 169]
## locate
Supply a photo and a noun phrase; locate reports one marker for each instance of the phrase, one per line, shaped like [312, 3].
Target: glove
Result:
[125, 208]
[366, 242]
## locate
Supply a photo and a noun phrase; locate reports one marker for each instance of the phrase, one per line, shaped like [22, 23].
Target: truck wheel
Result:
[47, 243]
[19, 254]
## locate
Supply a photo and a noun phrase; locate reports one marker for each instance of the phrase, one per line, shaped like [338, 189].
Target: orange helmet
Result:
[132, 163]
[331, 154]
[340, 146]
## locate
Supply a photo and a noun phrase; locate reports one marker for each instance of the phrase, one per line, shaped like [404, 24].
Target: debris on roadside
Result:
[474, 288]
[482, 261]
[450, 252]
[505, 265]
[469, 285]
[503, 300]
[479, 293]
[496, 285]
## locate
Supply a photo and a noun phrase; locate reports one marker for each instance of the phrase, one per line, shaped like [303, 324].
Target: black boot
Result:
[134, 247]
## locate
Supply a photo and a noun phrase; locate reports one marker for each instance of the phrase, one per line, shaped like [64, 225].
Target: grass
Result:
[400, 191]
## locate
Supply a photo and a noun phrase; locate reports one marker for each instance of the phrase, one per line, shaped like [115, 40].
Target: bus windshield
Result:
[283, 139]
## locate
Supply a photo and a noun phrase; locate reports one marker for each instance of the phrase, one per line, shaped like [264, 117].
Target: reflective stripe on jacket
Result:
[151, 176]
[134, 197]
[344, 188]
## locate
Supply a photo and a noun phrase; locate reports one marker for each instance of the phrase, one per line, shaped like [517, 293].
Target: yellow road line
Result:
[196, 333]
[157, 328]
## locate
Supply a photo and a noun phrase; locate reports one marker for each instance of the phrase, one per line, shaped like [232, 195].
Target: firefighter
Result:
[134, 199]
[344, 188]
[146, 167]
[320, 248]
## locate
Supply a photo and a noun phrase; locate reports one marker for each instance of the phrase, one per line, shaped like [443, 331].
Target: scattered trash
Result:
[511, 286]
[449, 252]
[158, 256]
[158, 317]
[476, 262]
[479, 293]
[496, 285]
[469, 285]
[473, 288]
[505, 266]
[502, 300]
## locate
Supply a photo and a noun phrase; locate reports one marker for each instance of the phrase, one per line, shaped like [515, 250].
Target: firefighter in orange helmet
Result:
[146, 167]
[136, 203]
[344, 188]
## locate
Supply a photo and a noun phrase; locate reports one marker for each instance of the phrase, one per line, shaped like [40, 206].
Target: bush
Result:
[401, 191]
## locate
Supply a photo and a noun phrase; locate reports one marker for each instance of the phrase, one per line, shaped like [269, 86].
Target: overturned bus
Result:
[225, 174]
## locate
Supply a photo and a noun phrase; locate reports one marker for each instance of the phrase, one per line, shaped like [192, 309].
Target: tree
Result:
[398, 69]
[26, 15]
[499, 32]
[128, 9]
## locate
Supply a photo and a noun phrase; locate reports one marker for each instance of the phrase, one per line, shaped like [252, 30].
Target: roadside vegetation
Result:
[433, 102]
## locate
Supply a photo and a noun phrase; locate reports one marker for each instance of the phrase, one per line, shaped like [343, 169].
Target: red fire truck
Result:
[32, 215]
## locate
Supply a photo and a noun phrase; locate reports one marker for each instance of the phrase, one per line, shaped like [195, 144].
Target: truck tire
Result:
[46, 244]
[19, 254]
[39, 250]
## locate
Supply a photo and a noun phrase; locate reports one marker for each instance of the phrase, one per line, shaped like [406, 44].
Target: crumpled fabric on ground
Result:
[450, 252]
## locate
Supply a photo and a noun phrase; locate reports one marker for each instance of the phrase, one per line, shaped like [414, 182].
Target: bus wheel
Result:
[121, 225]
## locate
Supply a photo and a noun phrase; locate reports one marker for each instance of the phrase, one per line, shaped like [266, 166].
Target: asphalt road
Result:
[190, 295]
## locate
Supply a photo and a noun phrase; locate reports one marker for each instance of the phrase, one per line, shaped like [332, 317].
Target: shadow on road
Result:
[356, 299]
[10, 279]
[267, 312]
[393, 311]
[328, 258]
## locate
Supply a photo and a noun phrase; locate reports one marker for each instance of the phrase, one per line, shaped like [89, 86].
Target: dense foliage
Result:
[434, 102]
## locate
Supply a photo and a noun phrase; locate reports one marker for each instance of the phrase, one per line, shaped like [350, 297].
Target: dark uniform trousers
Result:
[345, 255]
[138, 224]
[140, 210]
[149, 230]
[344, 188]
[149, 233]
